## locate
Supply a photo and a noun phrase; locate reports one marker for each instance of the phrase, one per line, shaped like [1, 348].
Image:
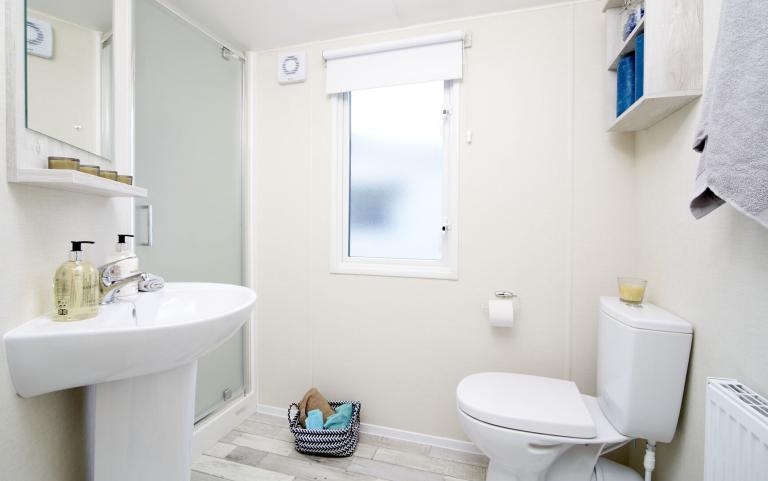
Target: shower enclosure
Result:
[188, 138]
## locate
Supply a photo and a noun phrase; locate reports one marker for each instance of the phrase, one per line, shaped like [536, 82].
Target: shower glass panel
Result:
[189, 156]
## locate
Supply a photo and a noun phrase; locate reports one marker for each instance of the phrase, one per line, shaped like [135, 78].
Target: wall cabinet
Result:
[673, 61]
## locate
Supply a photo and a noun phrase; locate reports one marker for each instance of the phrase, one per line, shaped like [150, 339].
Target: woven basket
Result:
[326, 442]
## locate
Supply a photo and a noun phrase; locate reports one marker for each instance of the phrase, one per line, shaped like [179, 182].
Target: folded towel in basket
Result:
[339, 420]
[314, 400]
[314, 419]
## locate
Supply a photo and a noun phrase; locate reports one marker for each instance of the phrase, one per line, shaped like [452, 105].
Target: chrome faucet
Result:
[109, 285]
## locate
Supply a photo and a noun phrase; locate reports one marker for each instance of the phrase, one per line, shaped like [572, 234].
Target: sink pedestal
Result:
[141, 428]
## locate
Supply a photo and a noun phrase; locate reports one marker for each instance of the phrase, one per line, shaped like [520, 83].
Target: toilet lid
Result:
[526, 403]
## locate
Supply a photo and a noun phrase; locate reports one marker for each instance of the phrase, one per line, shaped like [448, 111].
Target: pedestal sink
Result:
[138, 358]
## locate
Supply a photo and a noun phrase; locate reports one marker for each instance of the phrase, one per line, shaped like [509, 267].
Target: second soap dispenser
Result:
[125, 263]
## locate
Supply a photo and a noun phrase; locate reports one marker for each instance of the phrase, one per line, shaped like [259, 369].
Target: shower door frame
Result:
[210, 429]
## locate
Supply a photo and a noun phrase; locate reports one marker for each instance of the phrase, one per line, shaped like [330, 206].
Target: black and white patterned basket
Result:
[326, 442]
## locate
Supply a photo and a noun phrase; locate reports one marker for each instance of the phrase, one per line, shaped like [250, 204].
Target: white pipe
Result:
[649, 462]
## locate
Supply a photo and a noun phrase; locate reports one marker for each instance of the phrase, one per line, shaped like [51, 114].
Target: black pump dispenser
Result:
[77, 245]
[121, 238]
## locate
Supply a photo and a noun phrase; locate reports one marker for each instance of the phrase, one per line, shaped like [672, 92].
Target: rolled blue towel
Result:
[639, 65]
[341, 419]
[314, 419]
[625, 83]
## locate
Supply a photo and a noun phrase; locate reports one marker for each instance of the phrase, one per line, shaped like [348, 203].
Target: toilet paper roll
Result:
[501, 312]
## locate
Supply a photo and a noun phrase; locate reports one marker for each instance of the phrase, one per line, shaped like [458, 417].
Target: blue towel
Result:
[639, 64]
[341, 419]
[314, 419]
[625, 83]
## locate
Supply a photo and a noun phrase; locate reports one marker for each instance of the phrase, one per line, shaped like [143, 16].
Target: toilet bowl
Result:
[607, 470]
[535, 428]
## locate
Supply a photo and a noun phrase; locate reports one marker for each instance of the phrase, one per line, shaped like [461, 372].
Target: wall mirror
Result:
[69, 72]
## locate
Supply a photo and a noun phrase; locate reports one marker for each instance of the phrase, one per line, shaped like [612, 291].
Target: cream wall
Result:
[42, 438]
[712, 272]
[544, 196]
[65, 90]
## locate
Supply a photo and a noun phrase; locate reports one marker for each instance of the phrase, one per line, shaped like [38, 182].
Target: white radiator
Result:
[736, 438]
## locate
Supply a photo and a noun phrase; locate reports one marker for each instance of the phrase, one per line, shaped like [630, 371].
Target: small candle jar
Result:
[90, 169]
[108, 174]
[632, 290]
[125, 179]
[66, 163]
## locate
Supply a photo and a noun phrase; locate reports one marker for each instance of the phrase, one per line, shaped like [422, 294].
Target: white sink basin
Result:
[171, 327]
[139, 357]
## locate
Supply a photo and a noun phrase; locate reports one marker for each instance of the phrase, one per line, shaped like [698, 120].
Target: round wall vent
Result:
[292, 67]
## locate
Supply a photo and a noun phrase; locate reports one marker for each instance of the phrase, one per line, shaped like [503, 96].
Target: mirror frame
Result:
[28, 149]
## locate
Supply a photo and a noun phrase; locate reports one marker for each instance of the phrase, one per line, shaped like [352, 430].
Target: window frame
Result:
[340, 260]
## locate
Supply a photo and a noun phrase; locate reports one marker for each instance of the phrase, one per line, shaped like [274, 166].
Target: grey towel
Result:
[733, 133]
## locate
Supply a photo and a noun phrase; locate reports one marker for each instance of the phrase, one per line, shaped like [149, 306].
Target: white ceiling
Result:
[265, 24]
[93, 14]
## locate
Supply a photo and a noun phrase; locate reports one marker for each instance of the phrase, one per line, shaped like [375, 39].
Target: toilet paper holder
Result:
[505, 294]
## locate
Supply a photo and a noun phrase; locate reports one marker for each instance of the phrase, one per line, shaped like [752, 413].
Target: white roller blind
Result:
[422, 59]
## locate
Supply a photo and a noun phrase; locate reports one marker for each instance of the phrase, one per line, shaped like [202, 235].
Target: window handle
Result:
[446, 227]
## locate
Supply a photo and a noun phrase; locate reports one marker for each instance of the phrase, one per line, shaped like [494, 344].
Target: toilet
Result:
[536, 428]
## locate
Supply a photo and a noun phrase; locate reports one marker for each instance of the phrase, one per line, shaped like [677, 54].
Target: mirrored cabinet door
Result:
[69, 72]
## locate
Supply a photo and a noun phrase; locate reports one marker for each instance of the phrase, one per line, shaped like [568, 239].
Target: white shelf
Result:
[75, 181]
[628, 45]
[613, 4]
[648, 110]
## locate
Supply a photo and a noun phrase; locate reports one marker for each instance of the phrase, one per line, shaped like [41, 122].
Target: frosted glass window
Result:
[396, 152]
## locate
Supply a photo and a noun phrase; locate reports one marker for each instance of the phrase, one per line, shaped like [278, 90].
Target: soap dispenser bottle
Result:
[76, 287]
[124, 263]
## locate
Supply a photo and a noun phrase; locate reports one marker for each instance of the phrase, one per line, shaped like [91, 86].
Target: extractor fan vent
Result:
[39, 38]
[292, 67]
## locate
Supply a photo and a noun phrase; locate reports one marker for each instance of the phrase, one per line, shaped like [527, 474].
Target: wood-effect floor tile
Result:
[391, 472]
[365, 450]
[262, 449]
[198, 476]
[433, 465]
[232, 471]
[245, 455]
[269, 445]
[220, 450]
[397, 444]
[459, 456]
[309, 470]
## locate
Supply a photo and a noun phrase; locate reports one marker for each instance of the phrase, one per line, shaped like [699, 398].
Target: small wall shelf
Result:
[650, 109]
[74, 181]
[628, 45]
[673, 60]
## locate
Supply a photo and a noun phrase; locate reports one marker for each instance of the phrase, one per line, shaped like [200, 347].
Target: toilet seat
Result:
[520, 402]
[606, 434]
